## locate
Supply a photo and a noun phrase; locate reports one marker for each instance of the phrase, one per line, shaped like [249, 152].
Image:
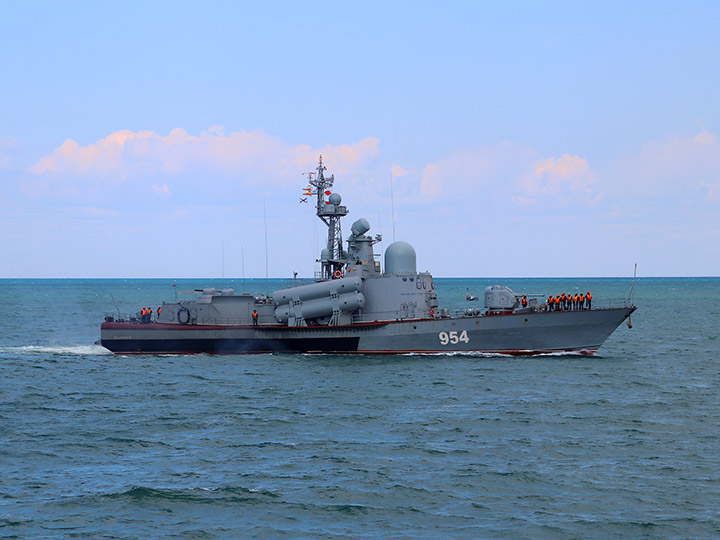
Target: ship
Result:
[355, 305]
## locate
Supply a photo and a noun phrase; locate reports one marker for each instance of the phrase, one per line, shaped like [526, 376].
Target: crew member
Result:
[524, 301]
[144, 315]
[575, 302]
[158, 311]
[588, 300]
[255, 317]
[562, 301]
[149, 314]
[581, 305]
[551, 302]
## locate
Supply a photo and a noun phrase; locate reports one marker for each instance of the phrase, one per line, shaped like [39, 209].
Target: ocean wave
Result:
[6, 522]
[82, 350]
[232, 494]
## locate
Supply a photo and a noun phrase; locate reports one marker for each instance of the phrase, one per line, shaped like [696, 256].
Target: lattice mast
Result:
[329, 211]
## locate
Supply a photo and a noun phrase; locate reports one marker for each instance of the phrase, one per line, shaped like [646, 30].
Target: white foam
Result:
[57, 349]
[477, 354]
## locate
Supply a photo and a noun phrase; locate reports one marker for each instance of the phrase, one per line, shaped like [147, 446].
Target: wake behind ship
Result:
[357, 306]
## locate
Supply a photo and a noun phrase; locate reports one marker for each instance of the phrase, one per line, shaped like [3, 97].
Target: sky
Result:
[513, 139]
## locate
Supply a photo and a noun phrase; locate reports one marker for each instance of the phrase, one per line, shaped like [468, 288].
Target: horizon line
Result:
[313, 279]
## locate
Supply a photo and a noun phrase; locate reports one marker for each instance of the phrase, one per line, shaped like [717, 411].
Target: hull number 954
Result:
[453, 337]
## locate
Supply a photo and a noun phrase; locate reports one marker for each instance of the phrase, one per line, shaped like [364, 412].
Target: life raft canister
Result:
[183, 319]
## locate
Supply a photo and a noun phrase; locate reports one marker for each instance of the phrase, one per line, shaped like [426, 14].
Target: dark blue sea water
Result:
[625, 444]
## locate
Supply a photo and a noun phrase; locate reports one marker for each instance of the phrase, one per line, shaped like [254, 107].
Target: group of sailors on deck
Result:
[566, 302]
[146, 314]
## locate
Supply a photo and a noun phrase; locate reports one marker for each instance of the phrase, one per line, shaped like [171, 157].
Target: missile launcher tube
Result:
[321, 307]
[317, 290]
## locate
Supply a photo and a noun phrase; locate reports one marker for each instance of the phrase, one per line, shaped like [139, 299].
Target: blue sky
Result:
[523, 139]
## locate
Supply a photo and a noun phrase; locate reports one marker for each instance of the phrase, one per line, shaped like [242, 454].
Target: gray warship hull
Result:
[515, 334]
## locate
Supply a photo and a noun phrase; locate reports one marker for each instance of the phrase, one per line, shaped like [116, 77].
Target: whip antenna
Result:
[116, 306]
[266, 245]
[631, 296]
[242, 256]
[392, 204]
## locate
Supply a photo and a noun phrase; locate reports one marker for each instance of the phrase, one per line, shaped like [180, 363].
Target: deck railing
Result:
[605, 303]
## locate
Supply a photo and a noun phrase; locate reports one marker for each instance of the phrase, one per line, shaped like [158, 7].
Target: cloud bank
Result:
[243, 156]
[510, 173]
[660, 198]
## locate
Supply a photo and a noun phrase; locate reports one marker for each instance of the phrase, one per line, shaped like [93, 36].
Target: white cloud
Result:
[242, 156]
[509, 172]
[677, 169]
[8, 145]
[705, 137]
[487, 170]
[567, 179]
[397, 171]
[162, 190]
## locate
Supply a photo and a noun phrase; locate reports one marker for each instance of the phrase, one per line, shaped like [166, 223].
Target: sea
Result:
[622, 444]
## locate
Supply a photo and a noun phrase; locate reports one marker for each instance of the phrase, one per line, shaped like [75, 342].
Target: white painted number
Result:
[453, 337]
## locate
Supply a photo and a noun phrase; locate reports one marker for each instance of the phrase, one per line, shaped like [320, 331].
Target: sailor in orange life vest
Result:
[255, 317]
[524, 301]
[588, 300]
[159, 309]
[581, 306]
[550, 302]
